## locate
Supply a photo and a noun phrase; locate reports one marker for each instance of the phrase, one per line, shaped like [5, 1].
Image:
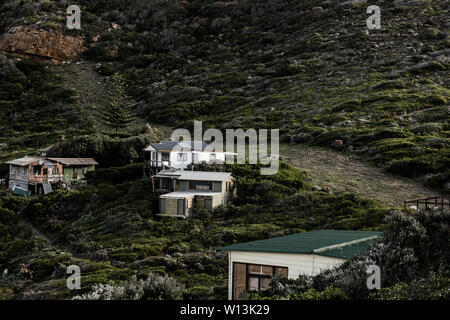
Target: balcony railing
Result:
[46, 178]
[156, 164]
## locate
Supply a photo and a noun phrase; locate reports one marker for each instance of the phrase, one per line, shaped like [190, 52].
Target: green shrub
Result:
[155, 287]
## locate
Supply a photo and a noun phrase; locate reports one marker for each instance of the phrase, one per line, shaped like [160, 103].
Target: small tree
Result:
[116, 113]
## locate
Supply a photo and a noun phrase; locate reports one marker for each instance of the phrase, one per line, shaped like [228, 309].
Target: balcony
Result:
[54, 178]
[156, 163]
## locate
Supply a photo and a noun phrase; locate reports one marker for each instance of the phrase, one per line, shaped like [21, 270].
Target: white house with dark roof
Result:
[179, 154]
[182, 191]
[253, 264]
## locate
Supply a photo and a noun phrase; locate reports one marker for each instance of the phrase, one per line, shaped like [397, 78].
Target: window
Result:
[165, 156]
[229, 186]
[165, 183]
[195, 157]
[200, 185]
[180, 207]
[37, 170]
[182, 156]
[248, 277]
[84, 171]
[212, 157]
[153, 155]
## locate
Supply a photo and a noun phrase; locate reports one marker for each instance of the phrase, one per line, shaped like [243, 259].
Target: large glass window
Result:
[165, 156]
[247, 277]
[200, 185]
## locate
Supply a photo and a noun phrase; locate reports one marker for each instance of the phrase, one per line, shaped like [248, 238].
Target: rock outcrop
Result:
[42, 44]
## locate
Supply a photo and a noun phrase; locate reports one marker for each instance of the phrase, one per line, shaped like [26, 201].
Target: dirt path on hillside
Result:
[82, 76]
[337, 171]
[35, 231]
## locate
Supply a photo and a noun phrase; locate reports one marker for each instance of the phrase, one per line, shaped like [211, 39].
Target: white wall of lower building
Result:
[297, 264]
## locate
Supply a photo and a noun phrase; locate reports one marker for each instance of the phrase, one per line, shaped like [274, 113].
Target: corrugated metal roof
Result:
[204, 175]
[309, 242]
[168, 174]
[349, 251]
[25, 161]
[75, 161]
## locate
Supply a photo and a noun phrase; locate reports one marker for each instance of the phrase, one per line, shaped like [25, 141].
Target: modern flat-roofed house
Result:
[39, 175]
[183, 190]
[253, 264]
[179, 154]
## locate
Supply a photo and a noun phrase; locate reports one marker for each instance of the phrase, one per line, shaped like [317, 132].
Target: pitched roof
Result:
[163, 146]
[75, 161]
[168, 174]
[342, 244]
[25, 161]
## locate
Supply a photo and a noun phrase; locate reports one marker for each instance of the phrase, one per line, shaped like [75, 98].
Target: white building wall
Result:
[297, 264]
[202, 156]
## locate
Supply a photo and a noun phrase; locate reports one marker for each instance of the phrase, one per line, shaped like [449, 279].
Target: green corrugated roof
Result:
[339, 241]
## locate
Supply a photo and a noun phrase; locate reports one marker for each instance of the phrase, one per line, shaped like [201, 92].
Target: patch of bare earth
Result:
[339, 172]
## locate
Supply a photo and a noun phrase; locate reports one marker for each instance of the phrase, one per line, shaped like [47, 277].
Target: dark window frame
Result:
[247, 273]
[194, 183]
[229, 186]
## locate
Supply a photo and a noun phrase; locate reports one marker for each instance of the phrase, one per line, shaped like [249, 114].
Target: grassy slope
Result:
[331, 170]
[316, 75]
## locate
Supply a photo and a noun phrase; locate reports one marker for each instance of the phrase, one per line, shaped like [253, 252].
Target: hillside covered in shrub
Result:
[109, 228]
[309, 68]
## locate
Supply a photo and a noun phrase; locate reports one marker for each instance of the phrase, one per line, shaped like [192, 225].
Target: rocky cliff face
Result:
[42, 44]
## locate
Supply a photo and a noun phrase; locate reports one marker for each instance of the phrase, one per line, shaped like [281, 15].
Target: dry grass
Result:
[339, 172]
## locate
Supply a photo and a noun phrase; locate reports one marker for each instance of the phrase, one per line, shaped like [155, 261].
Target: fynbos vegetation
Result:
[140, 68]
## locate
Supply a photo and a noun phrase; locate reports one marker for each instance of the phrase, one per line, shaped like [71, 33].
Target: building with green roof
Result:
[253, 264]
